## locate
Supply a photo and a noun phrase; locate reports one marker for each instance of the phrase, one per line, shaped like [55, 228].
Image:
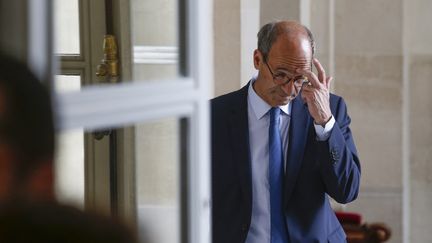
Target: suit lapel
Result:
[240, 143]
[298, 133]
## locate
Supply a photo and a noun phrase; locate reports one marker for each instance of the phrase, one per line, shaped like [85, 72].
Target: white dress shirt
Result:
[259, 121]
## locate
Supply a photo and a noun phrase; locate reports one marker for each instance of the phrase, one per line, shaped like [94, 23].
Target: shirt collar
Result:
[259, 106]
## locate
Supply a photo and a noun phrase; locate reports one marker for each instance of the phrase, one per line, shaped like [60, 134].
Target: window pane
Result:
[69, 169]
[65, 83]
[158, 180]
[70, 153]
[155, 40]
[66, 27]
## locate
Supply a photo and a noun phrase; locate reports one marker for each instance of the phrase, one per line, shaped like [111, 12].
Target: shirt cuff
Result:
[323, 133]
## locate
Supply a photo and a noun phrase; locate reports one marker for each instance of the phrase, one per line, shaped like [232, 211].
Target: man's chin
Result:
[287, 100]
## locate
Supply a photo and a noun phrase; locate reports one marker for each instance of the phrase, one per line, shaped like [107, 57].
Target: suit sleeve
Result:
[338, 159]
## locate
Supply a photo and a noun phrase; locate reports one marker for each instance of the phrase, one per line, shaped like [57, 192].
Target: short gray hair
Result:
[270, 32]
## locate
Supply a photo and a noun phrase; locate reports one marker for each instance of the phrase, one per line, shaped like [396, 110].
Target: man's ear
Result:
[257, 59]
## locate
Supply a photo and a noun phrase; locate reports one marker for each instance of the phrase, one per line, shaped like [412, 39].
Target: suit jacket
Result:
[314, 171]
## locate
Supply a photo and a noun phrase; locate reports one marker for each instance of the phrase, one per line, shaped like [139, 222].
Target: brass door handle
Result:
[101, 70]
[99, 135]
[108, 68]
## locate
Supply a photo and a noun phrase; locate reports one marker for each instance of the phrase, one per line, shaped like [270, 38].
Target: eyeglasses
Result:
[283, 78]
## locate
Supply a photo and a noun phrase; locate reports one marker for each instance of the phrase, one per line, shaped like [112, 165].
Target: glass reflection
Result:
[154, 40]
[69, 167]
[157, 180]
[65, 83]
[66, 27]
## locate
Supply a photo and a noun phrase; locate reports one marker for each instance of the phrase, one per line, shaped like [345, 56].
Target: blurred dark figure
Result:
[50, 222]
[26, 135]
[28, 210]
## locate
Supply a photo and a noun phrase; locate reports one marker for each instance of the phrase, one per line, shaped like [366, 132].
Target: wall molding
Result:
[155, 54]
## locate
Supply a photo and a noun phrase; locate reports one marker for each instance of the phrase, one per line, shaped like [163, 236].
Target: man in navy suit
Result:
[281, 146]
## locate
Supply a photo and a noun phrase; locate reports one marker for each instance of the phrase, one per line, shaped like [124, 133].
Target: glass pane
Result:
[66, 27]
[70, 153]
[69, 169]
[65, 83]
[158, 180]
[155, 39]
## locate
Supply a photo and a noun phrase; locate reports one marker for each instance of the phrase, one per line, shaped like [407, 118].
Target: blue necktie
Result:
[276, 174]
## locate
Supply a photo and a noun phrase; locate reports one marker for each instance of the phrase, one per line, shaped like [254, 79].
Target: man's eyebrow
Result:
[282, 69]
[286, 71]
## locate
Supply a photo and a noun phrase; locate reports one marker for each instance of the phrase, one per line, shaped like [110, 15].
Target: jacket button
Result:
[334, 156]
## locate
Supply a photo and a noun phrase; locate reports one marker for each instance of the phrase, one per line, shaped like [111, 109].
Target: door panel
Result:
[80, 158]
[159, 127]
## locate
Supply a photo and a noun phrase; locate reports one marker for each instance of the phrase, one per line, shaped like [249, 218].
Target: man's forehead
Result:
[288, 50]
[299, 42]
[290, 63]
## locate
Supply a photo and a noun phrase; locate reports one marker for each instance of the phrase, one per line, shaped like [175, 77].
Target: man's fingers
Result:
[328, 81]
[304, 96]
[316, 81]
[321, 72]
[313, 79]
[307, 94]
[307, 88]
